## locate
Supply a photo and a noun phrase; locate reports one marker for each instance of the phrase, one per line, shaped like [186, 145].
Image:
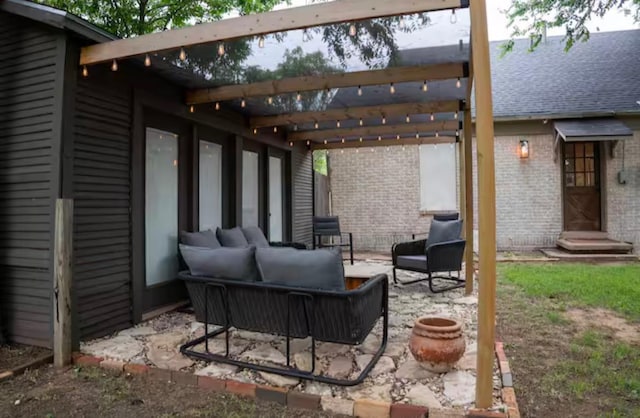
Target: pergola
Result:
[439, 117]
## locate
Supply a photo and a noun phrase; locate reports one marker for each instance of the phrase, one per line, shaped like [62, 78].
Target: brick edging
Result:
[507, 393]
[296, 399]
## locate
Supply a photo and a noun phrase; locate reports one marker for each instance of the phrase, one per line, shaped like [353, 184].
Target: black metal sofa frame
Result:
[343, 317]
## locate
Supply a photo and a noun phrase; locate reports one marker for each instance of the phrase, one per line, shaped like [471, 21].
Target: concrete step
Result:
[594, 246]
[562, 255]
[584, 235]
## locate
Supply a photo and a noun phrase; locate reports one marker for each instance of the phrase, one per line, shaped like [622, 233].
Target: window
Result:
[438, 178]
[579, 164]
[210, 186]
[250, 188]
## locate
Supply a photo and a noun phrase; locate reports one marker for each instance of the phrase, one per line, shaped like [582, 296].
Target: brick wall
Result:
[377, 196]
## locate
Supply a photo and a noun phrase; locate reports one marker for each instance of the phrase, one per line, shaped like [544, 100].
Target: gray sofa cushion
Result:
[232, 237]
[205, 239]
[223, 262]
[418, 262]
[442, 231]
[254, 236]
[318, 269]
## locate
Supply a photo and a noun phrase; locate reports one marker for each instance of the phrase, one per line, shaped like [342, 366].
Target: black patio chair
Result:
[328, 227]
[447, 216]
[442, 252]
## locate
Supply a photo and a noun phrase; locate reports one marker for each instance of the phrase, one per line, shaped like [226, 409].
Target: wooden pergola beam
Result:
[384, 143]
[260, 24]
[405, 128]
[363, 112]
[328, 81]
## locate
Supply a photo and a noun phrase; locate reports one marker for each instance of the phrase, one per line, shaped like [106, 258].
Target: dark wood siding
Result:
[29, 126]
[302, 194]
[102, 196]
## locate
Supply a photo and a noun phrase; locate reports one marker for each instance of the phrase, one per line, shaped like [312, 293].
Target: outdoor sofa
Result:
[282, 291]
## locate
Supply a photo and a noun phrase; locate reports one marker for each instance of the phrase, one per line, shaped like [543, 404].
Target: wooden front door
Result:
[581, 180]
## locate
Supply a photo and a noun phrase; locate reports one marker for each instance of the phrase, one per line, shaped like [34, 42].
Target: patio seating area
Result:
[396, 377]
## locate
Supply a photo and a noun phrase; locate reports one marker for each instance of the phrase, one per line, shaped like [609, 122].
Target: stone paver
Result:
[265, 353]
[121, 347]
[423, 396]
[410, 369]
[217, 370]
[163, 351]
[278, 380]
[340, 367]
[459, 387]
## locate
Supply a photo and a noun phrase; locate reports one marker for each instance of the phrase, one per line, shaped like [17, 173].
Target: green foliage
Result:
[616, 287]
[320, 162]
[532, 17]
[127, 18]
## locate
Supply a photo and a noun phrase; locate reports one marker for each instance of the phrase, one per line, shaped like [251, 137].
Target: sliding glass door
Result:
[210, 185]
[276, 198]
[250, 188]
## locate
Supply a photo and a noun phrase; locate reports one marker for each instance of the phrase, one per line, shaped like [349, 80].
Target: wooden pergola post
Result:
[486, 203]
[468, 199]
[62, 282]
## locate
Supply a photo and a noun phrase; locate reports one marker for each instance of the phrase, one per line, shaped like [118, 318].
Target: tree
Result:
[126, 18]
[532, 17]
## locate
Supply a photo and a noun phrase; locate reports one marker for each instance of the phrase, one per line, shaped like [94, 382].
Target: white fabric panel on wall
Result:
[275, 199]
[438, 178]
[250, 189]
[161, 206]
[210, 186]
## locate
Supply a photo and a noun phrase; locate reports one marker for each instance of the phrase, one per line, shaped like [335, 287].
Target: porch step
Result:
[584, 235]
[562, 255]
[594, 246]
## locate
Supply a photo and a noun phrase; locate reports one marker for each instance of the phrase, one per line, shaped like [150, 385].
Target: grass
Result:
[559, 368]
[616, 287]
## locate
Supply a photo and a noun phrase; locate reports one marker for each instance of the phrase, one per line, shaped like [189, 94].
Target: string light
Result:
[221, 48]
[114, 65]
[359, 90]
[325, 142]
[295, 127]
[379, 138]
[290, 143]
[147, 61]
[352, 30]
[453, 18]
[384, 120]
[424, 86]
[342, 140]
[457, 133]
[360, 139]
[298, 96]
[270, 100]
[261, 41]
[337, 124]
[255, 131]
[437, 134]
[361, 122]
[308, 142]
[182, 55]
[458, 83]
[191, 109]
[217, 105]
[315, 125]
[243, 103]
[392, 88]
[417, 135]
[85, 71]
[432, 117]
[408, 119]
[398, 137]
[455, 115]
[275, 129]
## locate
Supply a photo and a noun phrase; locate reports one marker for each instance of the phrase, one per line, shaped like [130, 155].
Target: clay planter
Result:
[437, 343]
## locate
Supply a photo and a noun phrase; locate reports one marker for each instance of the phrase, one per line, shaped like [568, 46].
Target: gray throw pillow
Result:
[226, 263]
[205, 239]
[254, 236]
[318, 269]
[232, 237]
[442, 231]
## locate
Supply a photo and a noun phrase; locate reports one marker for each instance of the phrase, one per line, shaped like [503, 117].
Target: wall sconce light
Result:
[524, 148]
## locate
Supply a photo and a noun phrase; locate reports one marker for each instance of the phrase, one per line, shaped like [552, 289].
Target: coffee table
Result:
[356, 275]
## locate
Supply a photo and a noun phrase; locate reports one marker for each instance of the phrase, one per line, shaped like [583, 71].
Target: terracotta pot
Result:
[437, 343]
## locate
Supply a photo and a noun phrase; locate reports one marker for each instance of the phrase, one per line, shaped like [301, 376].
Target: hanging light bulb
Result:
[458, 83]
[360, 139]
[392, 88]
[325, 142]
[352, 30]
[337, 124]
[342, 140]
[424, 86]
[261, 41]
[453, 18]
[315, 125]
[361, 122]
[221, 48]
[270, 100]
[417, 135]
[457, 133]
[308, 142]
[398, 137]
[290, 143]
[359, 90]
[384, 120]
[85, 71]
[379, 138]
[295, 127]
[192, 109]
[432, 117]
[243, 103]
[182, 55]
[408, 119]
[437, 134]
[114, 65]
[255, 131]
[147, 61]
[298, 96]
[217, 105]
[275, 129]
[455, 115]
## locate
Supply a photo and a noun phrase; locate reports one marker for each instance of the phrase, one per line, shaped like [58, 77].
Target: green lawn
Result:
[616, 287]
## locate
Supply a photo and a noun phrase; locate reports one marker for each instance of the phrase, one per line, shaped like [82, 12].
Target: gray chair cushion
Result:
[254, 236]
[418, 262]
[442, 231]
[318, 269]
[223, 262]
[232, 237]
[205, 239]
